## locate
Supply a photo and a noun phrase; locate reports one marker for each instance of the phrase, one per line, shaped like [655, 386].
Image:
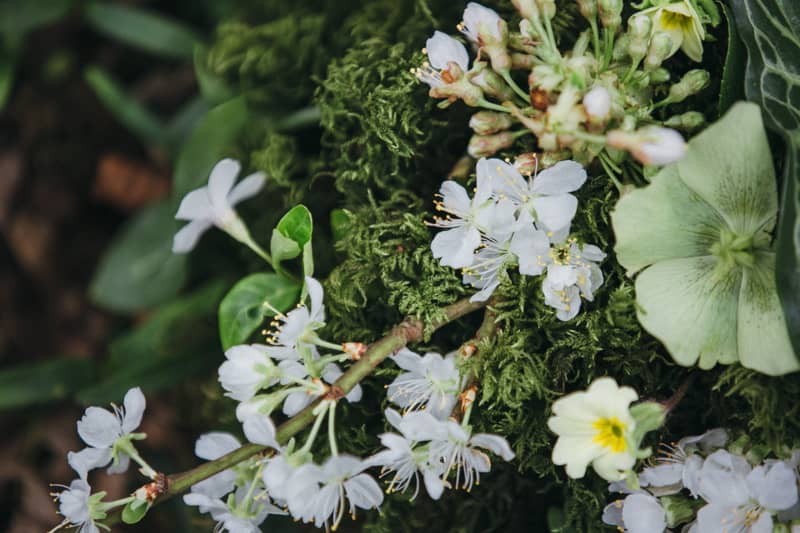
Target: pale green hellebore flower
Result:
[700, 235]
[682, 23]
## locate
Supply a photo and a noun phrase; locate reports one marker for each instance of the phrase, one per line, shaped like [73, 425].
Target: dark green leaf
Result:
[139, 269]
[292, 234]
[205, 146]
[142, 29]
[131, 114]
[135, 511]
[41, 382]
[184, 121]
[732, 85]
[18, 18]
[250, 301]
[770, 30]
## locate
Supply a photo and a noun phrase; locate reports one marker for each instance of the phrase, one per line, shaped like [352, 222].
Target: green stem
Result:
[610, 171]
[126, 446]
[494, 107]
[506, 75]
[332, 429]
[595, 38]
[410, 330]
[551, 36]
[312, 436]
[590, 137]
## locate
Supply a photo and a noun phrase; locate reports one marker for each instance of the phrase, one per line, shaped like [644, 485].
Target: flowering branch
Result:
[408, 331]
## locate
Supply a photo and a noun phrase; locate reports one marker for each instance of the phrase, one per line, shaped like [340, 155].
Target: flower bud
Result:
[527, 8]
[488, 145]
[692, 82]
[639, 29]
[488, 122]
[677, 509]
[527, 164]
[484, 27]
[610, 13]
[522, 61]
[547, 8]
[651, 145]
[355, 350]
[660, 49]
[461, 89]
[597, 104]
[490, 82]
[688, 121]
[621, 46]
[659, 75]
[588, 9]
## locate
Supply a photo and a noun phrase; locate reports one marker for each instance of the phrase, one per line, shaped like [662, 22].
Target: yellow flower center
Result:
[671, 20]
[610, 434]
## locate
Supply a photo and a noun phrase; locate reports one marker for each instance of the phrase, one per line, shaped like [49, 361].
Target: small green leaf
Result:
[139, 269]
[206, 145]
[142, 29]
[131, 114]
[135, 511]
[341, 219]
[292, 234]
[250, 301]
[42, 382]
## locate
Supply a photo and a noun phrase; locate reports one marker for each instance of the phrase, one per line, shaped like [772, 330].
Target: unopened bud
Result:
[462, 89]
[527, 8]
[597, 104]
[651, 145]
[621, 47]
[661, 48]
[488, 145]
[522, 61]
[588, 9]
[527, 30]
[547, 8]
[527, 163]
[355, 350]
[490, 82]
[678, 509]
[692, 82]
[488, 122]
[659, 75]
[610, 13]
[688, 121]
[639, 29]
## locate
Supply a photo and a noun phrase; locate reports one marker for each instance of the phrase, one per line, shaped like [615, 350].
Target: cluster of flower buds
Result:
[514, 221]
[579, 103]
[700, 486]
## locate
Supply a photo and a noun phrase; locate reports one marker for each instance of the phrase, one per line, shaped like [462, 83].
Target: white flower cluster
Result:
[300, 375]
[430, 443]
[510, 221]
[731, 493]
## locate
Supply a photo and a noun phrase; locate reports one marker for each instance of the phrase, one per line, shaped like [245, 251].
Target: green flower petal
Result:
[664, 220]
[691, 306]
[763, 339]
[729, 165]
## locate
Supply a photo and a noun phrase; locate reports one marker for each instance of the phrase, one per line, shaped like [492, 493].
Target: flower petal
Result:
[642, 513]
[220, 183]
[247, 188]
[456, 247]
[497, 444]
[186, 238]
[443, 49]
[213, 445]
[563, 177]
[195, 205]
[135, 404]
[261, 430]
[363, 491]
[88, 459]
[99, 428]
[555, 212]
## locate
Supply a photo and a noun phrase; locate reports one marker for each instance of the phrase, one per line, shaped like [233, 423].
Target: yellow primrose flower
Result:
[682, 23]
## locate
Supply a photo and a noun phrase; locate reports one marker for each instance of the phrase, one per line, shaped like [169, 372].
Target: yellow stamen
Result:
[610, 434]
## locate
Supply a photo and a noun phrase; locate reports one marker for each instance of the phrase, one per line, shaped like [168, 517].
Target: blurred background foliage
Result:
[114, 110]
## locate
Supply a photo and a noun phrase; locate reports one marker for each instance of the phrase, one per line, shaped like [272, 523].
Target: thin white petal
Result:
[247, 188]
[186, 238]
[135, 404]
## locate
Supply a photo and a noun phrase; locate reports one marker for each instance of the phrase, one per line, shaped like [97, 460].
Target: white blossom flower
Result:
[637, 513]
[481, 25]
[431, 382]
[597, 103]
[448, 60]
[401, 457]
[682, 23]
[531, 246]
[247, 370]
[297, 331]
[212, 205]
[212, 446]
[572, 273]
[80, 508]
[593, 427]
[546, 196]
[300, 399]
[464, 218]
[111, 433]
[321, 494]
[741, 498]
[240, 516]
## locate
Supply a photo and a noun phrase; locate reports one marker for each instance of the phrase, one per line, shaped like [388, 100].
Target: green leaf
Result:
[250, 301]
[54, 379]
[770, 30]
[8, 66]
[732, 85]
[292, 234]
[131, 114]
[206, 145]
[142, 29]
[173, 344]
[213, 88]
[139, 269]
[135, 511]
[341, 219]
[18, 18]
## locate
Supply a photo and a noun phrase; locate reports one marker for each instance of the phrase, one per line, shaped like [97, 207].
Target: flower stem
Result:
[494, 107]
[408, 331]
[332, 429]
[516, 88]
[314, 431]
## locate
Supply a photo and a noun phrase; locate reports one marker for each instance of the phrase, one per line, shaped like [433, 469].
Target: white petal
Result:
[363, 491]
[433, 484]
[774, 486]
[531, 246]
[316, 294]
[247, 188]
[456, 247]
[455, 197]
[261, 430]
[88, 459]
[99, 428]
[354, 396]
[443, 49]
[642, 513]
[74, 502]
[723, 479]
[564, 176]
[186, 238]
[120, 465]
[497, 444]
[408, 360]
[613, 466]
[393, 417]
[220, 183]
[555, 212]
[195, 206]
[662, 475]
[612, 514]
[296, 402]
[135, 404]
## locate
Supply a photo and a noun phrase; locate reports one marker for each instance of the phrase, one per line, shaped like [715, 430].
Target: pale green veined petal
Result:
[736, 177]
[763, 339]
[691, 308]
[664, 220]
